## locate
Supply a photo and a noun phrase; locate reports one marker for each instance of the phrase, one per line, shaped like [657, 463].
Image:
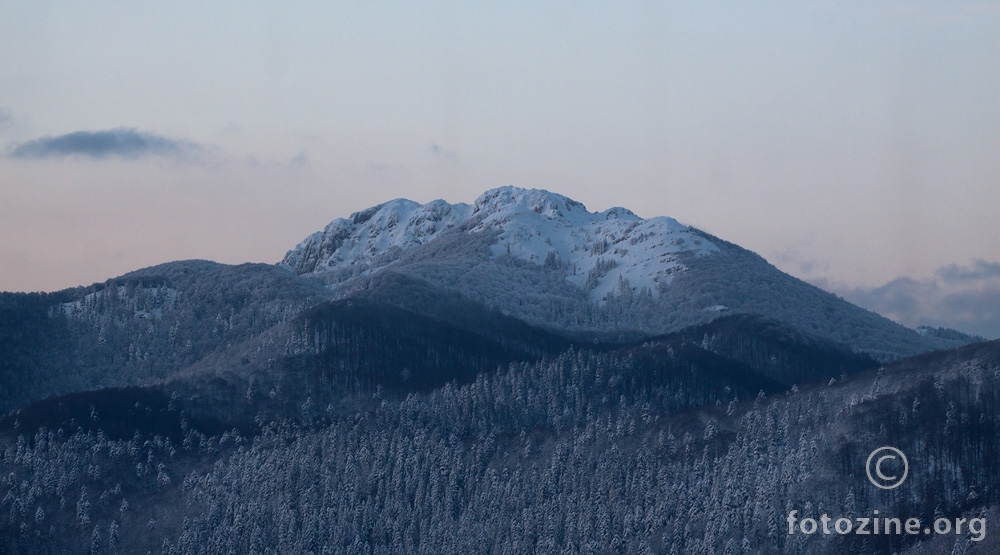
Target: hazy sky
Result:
[852, 144]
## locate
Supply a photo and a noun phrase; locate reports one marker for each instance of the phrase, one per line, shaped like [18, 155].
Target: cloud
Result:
[966, 298]
[301, 160]
[121, 142]
[6, 117]
[438, 150]
[980, 270]
[791, 257]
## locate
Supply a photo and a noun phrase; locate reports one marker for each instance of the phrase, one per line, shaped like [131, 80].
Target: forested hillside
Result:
[140, 327]
[587, 452]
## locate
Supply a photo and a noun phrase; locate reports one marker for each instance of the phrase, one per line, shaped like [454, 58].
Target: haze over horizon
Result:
[853, 145]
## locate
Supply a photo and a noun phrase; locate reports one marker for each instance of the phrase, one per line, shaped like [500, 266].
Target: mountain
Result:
[515, 375]
[533, 257]
[611, 275]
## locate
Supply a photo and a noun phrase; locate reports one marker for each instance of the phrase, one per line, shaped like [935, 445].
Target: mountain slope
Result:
[140, 327]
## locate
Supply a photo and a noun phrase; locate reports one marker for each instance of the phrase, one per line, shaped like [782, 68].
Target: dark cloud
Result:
[966, 298]
[121, 142]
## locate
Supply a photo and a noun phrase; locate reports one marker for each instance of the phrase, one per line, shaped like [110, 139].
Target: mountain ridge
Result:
[534, 225]
[542, 257]
[154, 323]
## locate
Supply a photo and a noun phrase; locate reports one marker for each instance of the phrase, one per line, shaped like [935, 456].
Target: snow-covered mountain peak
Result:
[600, 252]
[511, 200]
[619, 213]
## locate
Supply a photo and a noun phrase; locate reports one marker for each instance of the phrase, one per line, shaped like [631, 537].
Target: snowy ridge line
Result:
[600, 252]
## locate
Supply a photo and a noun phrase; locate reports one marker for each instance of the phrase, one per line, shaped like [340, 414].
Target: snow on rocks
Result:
[598, 251]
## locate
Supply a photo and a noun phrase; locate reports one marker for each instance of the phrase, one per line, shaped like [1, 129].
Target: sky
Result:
[855, 145]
